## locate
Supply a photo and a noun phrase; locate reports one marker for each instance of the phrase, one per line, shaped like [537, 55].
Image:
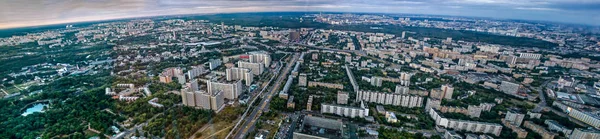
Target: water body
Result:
[39, 107]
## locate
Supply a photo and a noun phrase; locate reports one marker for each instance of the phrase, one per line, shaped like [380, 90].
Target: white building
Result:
[491, 49]
[240, 74]
[230, 91]
[590, 118]
[345, 111]
[376, 81]
[260, 58]
[202, 99]
[585, 134]
[214, 63]
[530, 55]
[402, 89]
[192, 85]
[464, 125]
[403, 100]
[257, 68]
[195, 72]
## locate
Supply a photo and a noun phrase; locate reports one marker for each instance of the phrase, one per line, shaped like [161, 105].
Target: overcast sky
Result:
[18, 13]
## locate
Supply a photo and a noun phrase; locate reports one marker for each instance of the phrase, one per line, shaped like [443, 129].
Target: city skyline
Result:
[35, 13]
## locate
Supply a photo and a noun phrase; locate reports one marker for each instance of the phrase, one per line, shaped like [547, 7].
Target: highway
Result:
[542, 96]
[249, 122]
[265, 85]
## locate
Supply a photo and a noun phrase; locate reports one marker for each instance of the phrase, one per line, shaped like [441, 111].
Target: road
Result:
[543, 104]
[265, 85]
[208, 124]
[264, 45]
[542, 96]
[251, 120]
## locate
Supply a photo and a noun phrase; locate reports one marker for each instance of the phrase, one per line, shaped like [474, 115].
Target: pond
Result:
[39, 107]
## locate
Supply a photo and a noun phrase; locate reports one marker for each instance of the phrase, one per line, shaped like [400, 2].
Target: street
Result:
[248, 124]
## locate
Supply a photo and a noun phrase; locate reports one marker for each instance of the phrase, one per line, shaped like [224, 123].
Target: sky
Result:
[21, 13]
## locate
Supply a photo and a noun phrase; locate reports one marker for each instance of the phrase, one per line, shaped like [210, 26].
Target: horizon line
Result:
[215, 13]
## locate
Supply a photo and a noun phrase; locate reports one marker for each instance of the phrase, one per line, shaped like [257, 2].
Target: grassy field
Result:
[216, 130]
[221, 124]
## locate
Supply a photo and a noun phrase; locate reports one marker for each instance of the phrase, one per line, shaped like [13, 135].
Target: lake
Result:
[36, 108]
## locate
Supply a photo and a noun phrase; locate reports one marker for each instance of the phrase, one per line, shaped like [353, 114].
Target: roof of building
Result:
[323, 122]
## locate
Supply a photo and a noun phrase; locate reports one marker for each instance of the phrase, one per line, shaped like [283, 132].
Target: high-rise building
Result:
[192, 85]
[302, 81]
[195, 71]
[588, 117]
[346, 111]
[432, 103]
[444, 92]
[514, 118]
[401, 89]
[257, 68]
[174, 71]
[555, 126]
[167, 75]
[216, 100]
[214, 63]
[540, 130]
[230, 91]
[240, 74]
[405, 78]
[491, 49]
[189, 99]
[403, 34]
[579, 133]
[464, 125]
[202, 99]
[530, 55]
[309, 103]
[165, 79]
[184, 97]
[376, 81]
[260, 58]
[448, 90]
[409, 101]
[181, 79]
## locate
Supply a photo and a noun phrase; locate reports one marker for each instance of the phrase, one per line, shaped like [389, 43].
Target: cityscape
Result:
[301, 75]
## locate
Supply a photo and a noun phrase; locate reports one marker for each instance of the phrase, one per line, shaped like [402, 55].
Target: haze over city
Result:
[19, 13]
